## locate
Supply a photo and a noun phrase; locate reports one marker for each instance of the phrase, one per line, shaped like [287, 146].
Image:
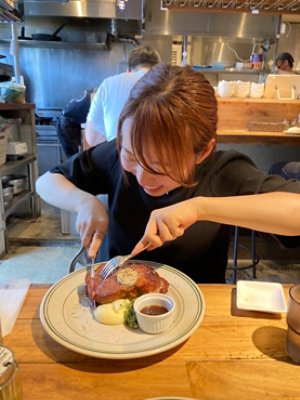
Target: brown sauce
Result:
[154, 310]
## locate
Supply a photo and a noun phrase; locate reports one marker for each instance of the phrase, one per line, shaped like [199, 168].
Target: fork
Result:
[115, 263]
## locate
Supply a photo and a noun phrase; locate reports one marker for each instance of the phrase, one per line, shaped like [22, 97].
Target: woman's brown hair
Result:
[175, 110]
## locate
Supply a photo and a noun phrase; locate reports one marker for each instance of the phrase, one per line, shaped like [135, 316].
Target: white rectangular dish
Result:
[294, 130]
[261, 296]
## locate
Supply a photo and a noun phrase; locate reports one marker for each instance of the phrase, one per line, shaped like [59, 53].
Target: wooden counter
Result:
[236, 113]
[247, 137]
[232, 355]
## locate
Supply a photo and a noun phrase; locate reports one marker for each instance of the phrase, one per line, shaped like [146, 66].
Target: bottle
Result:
[10, 385]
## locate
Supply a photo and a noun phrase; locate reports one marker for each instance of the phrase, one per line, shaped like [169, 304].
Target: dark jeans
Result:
[69, 135]
[288, 170]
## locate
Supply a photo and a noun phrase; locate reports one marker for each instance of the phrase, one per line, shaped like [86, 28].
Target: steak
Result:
[127, 282]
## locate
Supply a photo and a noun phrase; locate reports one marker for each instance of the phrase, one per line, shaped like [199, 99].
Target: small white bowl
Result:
[154, 323]
[225, 88]
[257, 89]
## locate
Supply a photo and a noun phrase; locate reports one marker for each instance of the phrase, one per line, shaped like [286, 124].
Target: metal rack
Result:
[27, 203]
[252, 6]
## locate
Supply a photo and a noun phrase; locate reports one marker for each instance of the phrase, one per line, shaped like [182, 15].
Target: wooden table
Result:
[232, 355]
[248, 137]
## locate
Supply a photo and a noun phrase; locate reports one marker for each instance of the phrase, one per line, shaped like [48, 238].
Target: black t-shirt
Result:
[201, 252]
[77, 109]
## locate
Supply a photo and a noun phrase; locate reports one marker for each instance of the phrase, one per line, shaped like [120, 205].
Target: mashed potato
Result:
[112, 313]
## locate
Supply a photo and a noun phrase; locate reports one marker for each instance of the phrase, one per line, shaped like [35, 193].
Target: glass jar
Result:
[10, 385]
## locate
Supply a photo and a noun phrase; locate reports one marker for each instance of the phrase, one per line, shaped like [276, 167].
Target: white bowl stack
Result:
[226, 88]
[242, 89]
[257, 90]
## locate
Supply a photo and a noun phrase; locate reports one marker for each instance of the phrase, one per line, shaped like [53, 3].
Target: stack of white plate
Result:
[257, 90]
[242, 89]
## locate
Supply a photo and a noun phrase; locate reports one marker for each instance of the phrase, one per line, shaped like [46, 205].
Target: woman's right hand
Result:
[91, 224]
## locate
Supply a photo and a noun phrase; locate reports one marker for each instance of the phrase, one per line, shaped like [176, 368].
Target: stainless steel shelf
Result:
[252, 6]
[16, 201]
[230, 71]
[59, 45]
[27, 203]
[10, 166]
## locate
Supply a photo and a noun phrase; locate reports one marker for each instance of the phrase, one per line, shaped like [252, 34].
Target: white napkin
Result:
[12, 296]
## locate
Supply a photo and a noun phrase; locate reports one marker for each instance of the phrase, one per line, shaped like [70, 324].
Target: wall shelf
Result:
[40, 44]
[16, 201]
[10, 166]
[27, 203]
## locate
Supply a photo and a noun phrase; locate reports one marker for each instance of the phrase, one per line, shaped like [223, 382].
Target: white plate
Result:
[67, 318]
[170, 398]
[260, 296]
[293, 131]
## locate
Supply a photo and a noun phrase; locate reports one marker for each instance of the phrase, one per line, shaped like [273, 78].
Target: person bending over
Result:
[166, 183]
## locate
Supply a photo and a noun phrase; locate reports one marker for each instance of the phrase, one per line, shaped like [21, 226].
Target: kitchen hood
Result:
[116, 9]
[252, 6]
[11, 11]
[245, 26]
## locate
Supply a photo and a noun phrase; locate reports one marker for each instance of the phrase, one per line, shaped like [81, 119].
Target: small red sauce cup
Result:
[154, 312]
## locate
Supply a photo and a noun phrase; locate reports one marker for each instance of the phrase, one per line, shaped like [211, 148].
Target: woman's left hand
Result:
[166, 224]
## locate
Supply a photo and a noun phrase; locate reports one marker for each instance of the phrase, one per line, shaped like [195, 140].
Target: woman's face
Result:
[153, 184]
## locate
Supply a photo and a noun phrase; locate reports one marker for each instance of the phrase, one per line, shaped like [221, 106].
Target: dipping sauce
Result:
[154, 310]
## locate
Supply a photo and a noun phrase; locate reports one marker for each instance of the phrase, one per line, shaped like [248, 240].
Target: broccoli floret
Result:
[130, 317]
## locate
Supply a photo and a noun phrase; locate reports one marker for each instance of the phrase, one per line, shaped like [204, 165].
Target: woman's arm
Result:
[276, 212]
[92, 218]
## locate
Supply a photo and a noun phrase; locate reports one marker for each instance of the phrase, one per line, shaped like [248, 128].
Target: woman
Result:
[165, 154]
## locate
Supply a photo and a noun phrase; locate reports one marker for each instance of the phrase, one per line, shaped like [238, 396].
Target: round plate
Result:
[170, 398]
[67, 317]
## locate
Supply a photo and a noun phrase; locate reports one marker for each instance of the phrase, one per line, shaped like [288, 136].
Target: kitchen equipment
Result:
[7, 192]
[18, 182]
[256, 60]
[47, 36]
[23, 36]
[10, 384]
[133, 9]
[16, 148]
[10, 11]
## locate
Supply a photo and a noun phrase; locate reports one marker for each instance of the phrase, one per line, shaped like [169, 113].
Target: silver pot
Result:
[8, 192]
[17, 181]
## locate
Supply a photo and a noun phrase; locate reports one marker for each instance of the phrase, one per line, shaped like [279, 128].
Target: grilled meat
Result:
[127, 282]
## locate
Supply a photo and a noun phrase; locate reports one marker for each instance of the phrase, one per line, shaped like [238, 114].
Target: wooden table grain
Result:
[232, 355]
[248, 137]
